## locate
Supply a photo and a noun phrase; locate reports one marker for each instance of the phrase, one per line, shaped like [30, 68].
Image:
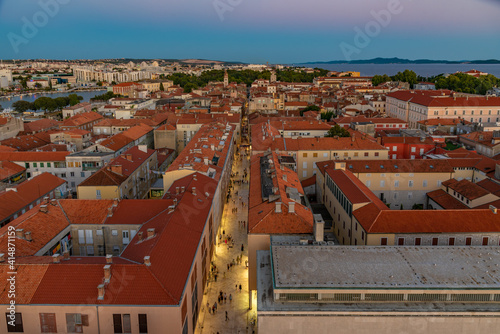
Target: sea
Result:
[424, 70]
[6, 102]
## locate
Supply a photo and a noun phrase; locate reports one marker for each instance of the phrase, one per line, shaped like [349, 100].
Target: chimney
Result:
[66, 255]
[493, 209]
[183, 189]
[55, 258]
[107, 273]
[116, 169]
[175, 202]
[139, 235]
[28, 237]
[100, 292]
[46, 200]
[20, 233]
[284, 177]
[194, 191]
[151, 232]
[319, 227]
[44, 208]
[195, 177]
[115, 202]
[278, 207]
[109, 258]
[2, 259]
[177, 190]
[205, 161]
[110, 211]
[291, 207]
[147, 261]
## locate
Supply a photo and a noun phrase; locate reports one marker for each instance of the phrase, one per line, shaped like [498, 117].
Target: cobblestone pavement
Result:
[228, 281]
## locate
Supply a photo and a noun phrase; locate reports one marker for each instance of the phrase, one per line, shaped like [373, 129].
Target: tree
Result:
[327, 115]
[22, 106]
[61, 102]
[74, 99]
[378, 79]
[38, 85]
[161, 87]
[45, 103]
[337, 130]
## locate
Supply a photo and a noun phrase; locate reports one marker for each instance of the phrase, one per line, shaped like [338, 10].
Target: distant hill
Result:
[406, 61]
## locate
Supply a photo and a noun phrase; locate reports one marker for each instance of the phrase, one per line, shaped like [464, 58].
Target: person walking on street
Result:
[226, 317]
[240, 287]
[230, 298]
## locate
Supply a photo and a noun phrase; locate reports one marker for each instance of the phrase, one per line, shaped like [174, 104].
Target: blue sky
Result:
[278, 31]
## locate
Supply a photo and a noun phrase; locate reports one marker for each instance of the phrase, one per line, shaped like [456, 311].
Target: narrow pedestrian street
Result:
[235, 306]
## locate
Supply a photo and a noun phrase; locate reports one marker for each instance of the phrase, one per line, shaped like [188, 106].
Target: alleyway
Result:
[228, 281]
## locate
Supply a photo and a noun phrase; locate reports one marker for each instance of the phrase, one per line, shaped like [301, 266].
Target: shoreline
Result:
[8, 97]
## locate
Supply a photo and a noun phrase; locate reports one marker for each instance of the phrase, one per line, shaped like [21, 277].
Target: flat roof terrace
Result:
[380, 268]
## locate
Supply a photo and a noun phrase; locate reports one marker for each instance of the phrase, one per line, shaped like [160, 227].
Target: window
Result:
[424, 183]
[485, 241]
[382, 183]
[114, 232]
[435, 241]
[81, 237]
[48, 164]
[468, 241]
[304, 165]
[366, 154]
[418, 241]
[34, 164]
[121, 323]
[325, 155]
[88, 237]
[27, 165]
[42, 164]
[368, 183]
[48, 323]
[410, 195]
[451, 241]
[383, 241]
[72, 174]
[362, 235]
[394, 148]
[376, 154]
[304, 155]
[315, 155]
[90, 250]
[143, 323]
[75, 321]
[116, 250]
[14, 325]
[410, 183]
[396, 183]
[401, 241]
[98, 194]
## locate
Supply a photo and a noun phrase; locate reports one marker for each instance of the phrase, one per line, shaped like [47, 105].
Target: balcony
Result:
[89, 166]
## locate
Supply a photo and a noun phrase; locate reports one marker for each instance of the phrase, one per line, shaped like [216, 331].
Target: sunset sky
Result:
[278, 31]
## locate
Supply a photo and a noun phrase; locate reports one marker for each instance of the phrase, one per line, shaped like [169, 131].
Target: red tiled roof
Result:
[27, 192]
[33, 156]
[262, 218]
[466, 188]
[39, 125]
[446, 201]
[9, 169]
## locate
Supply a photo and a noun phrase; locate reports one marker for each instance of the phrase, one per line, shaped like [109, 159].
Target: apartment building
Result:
[83, 121]
[307, 152]
[362, 217]
[277, 206]
[17, 199]
[414, 106]
[39, 162]
[156, 281]
[81, 165]
[10, 127]
[442, 125]
[127, 176]
[79, 108]
[211, 153]
[408, 147]
[80, 138]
